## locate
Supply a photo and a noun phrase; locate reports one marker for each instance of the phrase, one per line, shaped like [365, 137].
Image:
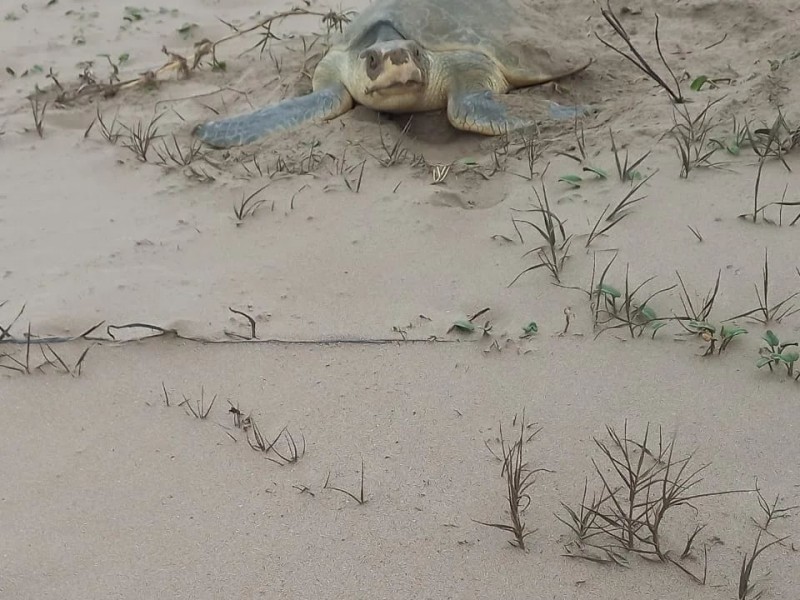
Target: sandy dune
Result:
[108, 493]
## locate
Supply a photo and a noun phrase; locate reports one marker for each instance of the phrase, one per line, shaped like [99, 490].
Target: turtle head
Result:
[393, 70]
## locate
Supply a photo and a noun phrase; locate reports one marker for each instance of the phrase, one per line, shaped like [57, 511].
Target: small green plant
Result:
[727, 334]
[468, 325]
[736, 141]
[631, 314]
[530, 329]
[775, 353]
[577, 180]
[702, 80]
[710, 335]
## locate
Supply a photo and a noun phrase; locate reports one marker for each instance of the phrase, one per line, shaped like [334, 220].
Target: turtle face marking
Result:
[394, 67]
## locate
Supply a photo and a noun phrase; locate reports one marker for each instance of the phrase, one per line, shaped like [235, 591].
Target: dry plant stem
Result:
[185, 65]
[38, 111]
[248, 205]
[161, 332]
[21, 367]
[394, 153]
[291, 455]
[58, 363]
[5, 332]
[635, 499]
[699, 314]
[200, 411]
[692, 137]
[620, 211]
[553, 254]
[598, 231]
[628, 200]
[746, 589]
[768, 313]
[250, 320]
[360, 499]
[636, 58]
[177, 155]
[625, 171]
[772, 512]
[141, 137]
[767, 142]
[582, 522]
[519, 479]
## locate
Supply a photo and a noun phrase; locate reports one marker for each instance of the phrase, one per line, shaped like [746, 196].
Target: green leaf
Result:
[573, 180]
[186, 29]
[132, 14]
[531, 328]
[464, 325]
[731, 332]
[698, 83]
[597, 171]
[771, 338]
[609, 290]
[733, 149]
[648, 313]
[701, 326]
[787, 357]
[763, 362]
[123, 58]
[656, 325]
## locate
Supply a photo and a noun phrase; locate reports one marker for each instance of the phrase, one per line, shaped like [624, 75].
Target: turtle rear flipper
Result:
[322, 105]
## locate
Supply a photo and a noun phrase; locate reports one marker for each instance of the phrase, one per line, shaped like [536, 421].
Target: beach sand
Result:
[353, 273]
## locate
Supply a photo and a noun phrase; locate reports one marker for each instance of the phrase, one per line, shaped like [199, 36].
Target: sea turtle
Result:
[419, 55]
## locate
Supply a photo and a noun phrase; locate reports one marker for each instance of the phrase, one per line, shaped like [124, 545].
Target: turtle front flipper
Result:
[480, 112]
[322, 105]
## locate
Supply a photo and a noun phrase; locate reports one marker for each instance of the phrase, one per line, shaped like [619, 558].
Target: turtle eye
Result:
[372, 61]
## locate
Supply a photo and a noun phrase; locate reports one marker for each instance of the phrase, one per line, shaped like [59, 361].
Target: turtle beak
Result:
[394, 68]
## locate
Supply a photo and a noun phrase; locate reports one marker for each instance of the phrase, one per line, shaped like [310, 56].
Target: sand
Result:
[107, 492]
